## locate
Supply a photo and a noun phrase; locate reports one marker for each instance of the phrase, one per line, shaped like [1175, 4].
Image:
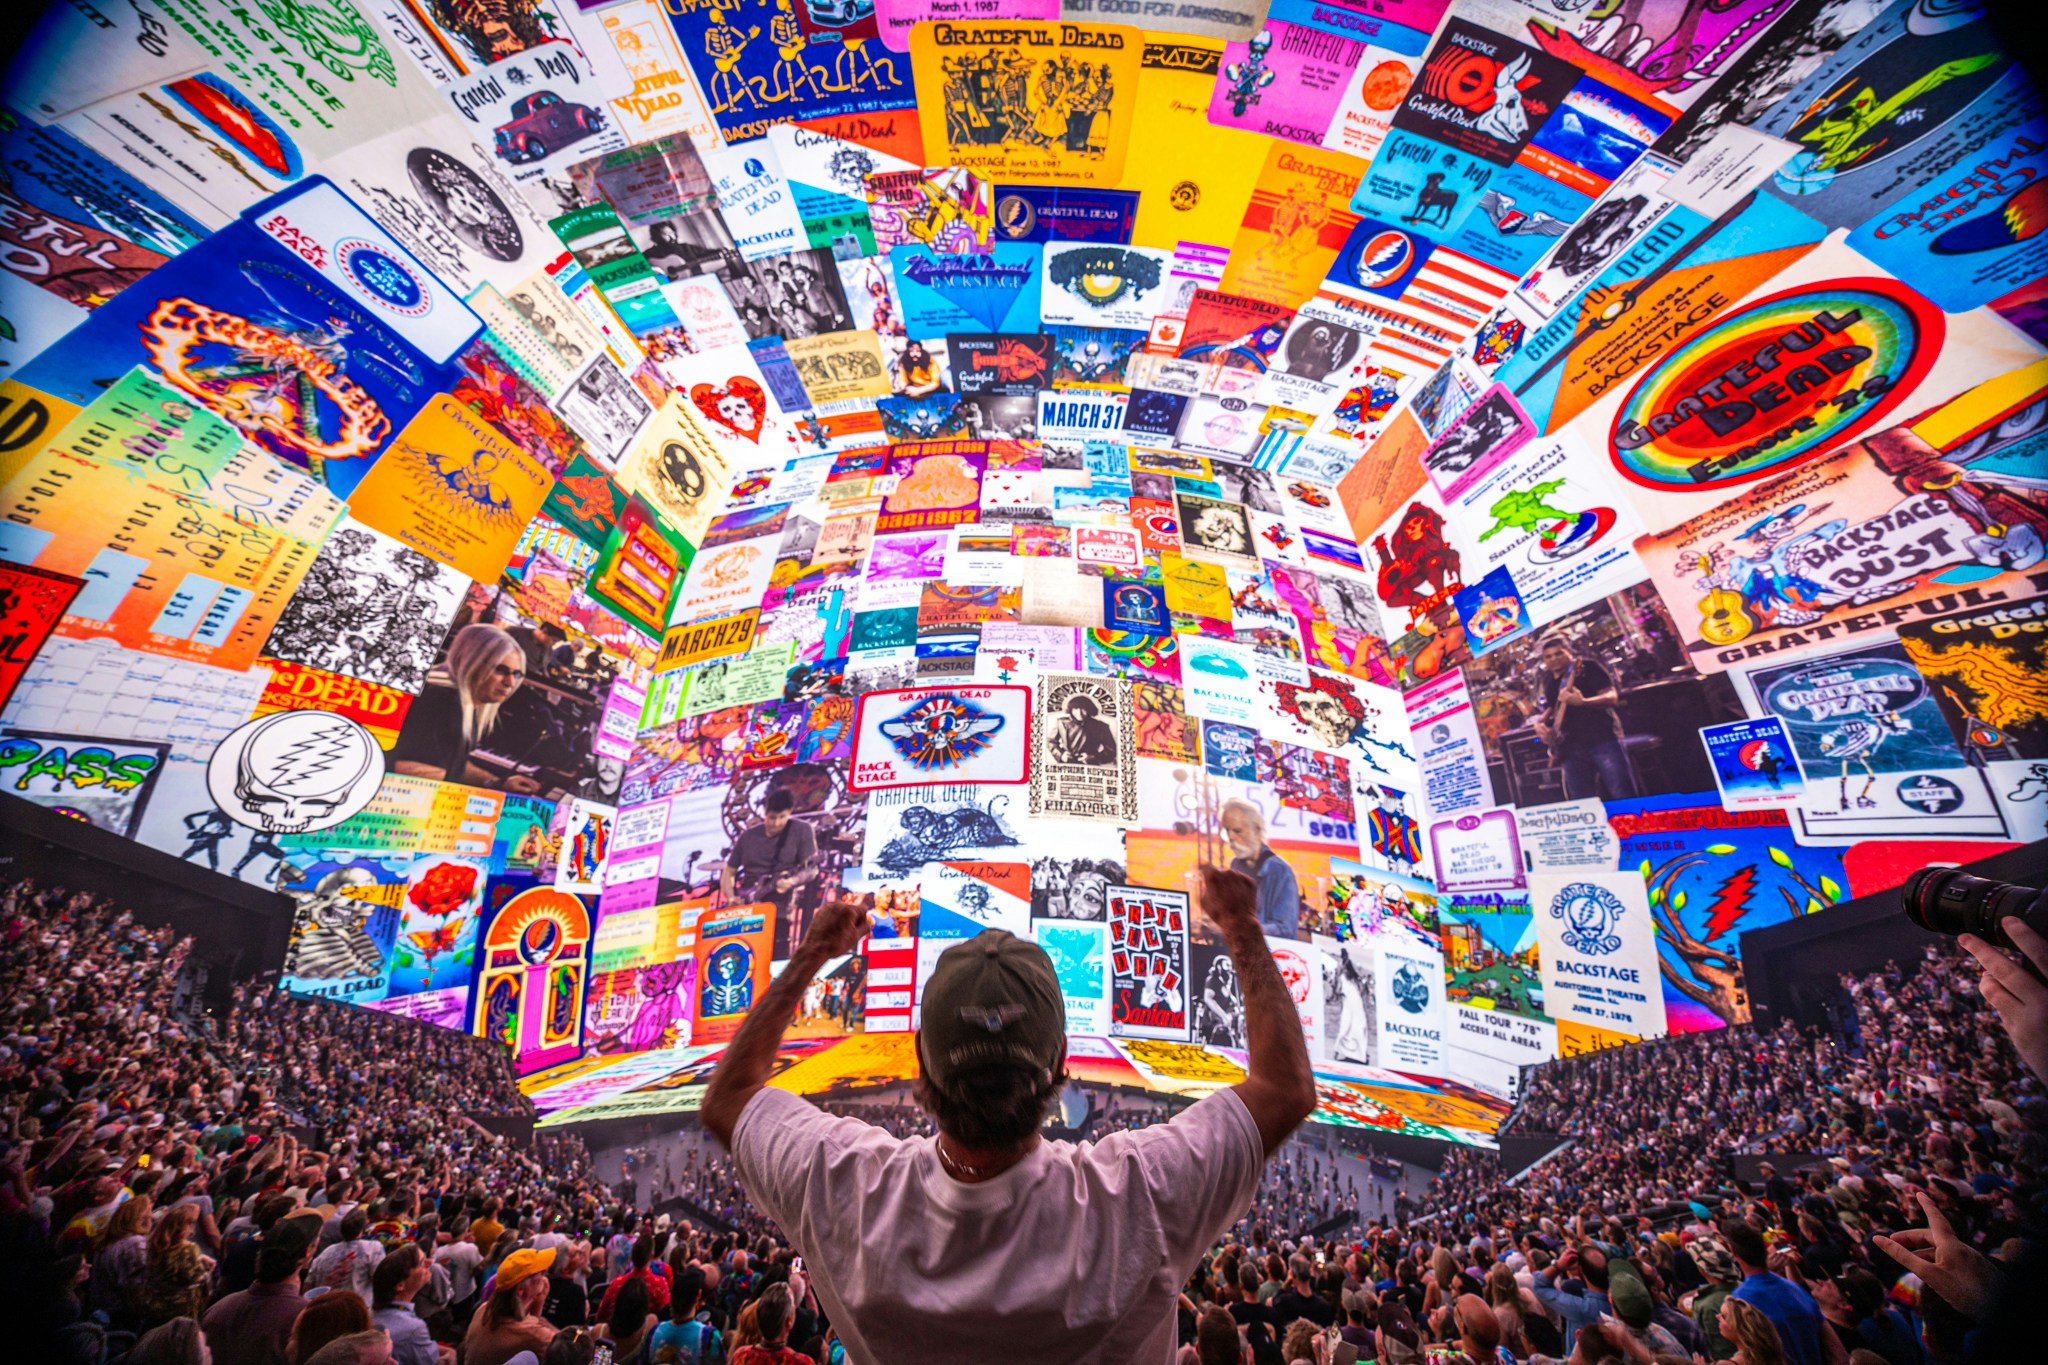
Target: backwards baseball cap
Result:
[993, 999]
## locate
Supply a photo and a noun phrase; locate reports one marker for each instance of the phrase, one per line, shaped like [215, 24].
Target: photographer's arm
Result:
[2018, 996]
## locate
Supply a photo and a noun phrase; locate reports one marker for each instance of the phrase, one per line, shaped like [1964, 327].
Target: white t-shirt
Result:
[1076, 1254]
[462, 1260]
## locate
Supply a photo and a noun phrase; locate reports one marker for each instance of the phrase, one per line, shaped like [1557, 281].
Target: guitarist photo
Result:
[771, 860]
[1581, 724]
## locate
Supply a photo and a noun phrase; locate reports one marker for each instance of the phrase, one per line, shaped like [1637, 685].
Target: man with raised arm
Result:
[989, 1236]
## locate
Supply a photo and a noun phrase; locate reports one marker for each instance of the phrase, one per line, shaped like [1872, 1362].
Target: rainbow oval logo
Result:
[1383, 258]
[1788, 378]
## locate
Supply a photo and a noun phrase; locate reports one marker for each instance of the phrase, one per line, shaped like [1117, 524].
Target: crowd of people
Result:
[285, 1180]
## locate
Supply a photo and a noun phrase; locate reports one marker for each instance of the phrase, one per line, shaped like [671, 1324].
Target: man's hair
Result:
[630, 1308]
[391, 1272]
[278, 1261]
[354, 1349]
[682, 1300]
[780, 800]
[774, 1311]
[1863, 1290]
[643, 1252]
[353, 1224]
[994, 1106]
[333, 1315]
[1299, 1268]
[1746, 1242]
[272, 1209]
[1593, 1261]
[1216, 1340]
[1254, 818]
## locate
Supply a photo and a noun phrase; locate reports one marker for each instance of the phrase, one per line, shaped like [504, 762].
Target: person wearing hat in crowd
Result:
[509, 1320]
[1637, 1310]
[934, 1248]
[1399, 1342]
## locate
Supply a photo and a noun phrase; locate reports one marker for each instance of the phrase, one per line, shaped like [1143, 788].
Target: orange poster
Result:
[1299, 215]
[454, 489]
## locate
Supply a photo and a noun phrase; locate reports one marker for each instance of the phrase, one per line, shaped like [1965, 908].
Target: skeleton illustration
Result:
[332, 942]
[1855, 740]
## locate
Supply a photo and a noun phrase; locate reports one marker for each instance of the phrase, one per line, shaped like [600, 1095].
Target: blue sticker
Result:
[1422, 185]
[1378, 258]
[1491, 611]
[1046, 213]
[1754, 762]
[1135, 606]
[995, 291]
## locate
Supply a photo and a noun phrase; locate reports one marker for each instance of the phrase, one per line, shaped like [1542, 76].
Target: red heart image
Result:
[739, 405]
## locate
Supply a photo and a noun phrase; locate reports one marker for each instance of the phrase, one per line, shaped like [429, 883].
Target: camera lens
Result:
[1943, 900]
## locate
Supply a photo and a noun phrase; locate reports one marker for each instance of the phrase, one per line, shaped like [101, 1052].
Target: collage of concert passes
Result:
[562, 489]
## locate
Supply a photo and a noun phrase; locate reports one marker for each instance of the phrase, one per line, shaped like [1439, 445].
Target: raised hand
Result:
[1945, 1263]
[1229, 898]
[837, 928]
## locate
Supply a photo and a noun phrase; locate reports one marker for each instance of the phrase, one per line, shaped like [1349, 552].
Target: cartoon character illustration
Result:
[1846, 134]
[730, 987]
[941, 732]
[661, 1004]
[930, 834]
[1527, 510]
[1773, 593]
[1423, 560]
[792, 74]
[1855, 741]
[331, 941]
[725, 45]
[1250, 76]
[1391, 831]
[1505, 120]
[588, 848]
[1298, 221]
[1327, 708]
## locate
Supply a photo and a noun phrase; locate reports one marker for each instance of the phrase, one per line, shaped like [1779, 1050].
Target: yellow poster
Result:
[1194, 589]
[1028, 101]
[454, 489]
[678, 469]
[1183, 197]
[1298, 217]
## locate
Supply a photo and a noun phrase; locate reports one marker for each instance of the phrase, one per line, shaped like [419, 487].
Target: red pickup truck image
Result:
[544, 122]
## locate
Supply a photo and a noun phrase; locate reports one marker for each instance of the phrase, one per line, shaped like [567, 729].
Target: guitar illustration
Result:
[1548, 728]
[1724, 618]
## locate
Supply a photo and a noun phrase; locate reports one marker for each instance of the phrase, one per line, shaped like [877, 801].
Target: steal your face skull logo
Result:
[295, 771]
